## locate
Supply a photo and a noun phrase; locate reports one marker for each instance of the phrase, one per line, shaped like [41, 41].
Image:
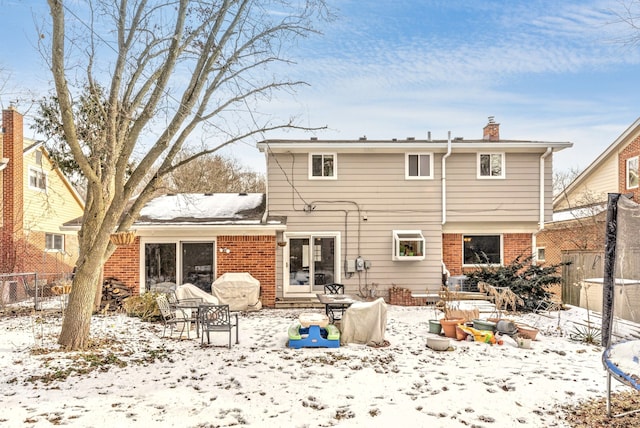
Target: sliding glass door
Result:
[312, 263]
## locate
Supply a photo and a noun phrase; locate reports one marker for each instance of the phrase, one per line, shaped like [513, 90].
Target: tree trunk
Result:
[98, 296]
[77, 319]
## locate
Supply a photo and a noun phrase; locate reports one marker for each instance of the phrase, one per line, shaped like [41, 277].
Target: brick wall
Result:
[33, 258]
[514, 244]
[12, 190]
[124, 264]
[253, 254]
[631, 150]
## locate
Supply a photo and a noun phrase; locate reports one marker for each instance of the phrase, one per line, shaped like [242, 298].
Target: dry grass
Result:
[593, 413]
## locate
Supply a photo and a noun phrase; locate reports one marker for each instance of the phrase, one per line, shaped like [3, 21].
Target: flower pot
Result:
[484, 325]
[435, 327]
[438, 343]
[527, 331]
[524, 342]
[460, 333]
[449, 326]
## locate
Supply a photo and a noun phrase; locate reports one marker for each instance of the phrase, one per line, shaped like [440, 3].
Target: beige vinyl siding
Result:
[375, 184]
[595, 187]
[515, 198]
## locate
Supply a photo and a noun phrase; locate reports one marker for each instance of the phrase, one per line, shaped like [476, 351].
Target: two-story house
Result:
[36, 200]
[576, 232]
[372, 214]
[369, 214]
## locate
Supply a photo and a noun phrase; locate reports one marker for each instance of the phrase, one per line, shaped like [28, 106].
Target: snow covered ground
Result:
[134, 377]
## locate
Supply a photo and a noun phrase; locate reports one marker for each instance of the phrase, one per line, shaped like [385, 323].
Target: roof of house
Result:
[619, 142]
[203, 209]
[247, 208]
[394, 145]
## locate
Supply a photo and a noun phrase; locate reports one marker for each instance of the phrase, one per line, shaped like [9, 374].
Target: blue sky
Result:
[547, 70]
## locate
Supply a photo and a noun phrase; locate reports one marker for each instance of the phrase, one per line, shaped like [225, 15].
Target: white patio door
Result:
[311, 262]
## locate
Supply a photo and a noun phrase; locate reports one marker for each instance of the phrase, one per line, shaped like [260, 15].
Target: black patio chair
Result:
[217, 318]
[334, 312]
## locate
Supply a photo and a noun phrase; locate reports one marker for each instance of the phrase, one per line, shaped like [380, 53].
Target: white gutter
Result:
[444, 179]
[542, 158]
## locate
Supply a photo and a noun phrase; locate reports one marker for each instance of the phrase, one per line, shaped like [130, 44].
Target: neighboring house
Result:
[579, 210]
[36, 200]
[195, 238]
[375, 214]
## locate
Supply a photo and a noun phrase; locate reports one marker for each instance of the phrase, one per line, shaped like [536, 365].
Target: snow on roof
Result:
[203, 206]
[578, 213]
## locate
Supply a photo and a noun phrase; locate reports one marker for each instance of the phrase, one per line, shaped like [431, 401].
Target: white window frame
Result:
[408, 236]
[634, 160]
[502, 165]
[323, 177]
[501, 236]
[40, 175]
[538, 251]
[419, 176]
[50, 238]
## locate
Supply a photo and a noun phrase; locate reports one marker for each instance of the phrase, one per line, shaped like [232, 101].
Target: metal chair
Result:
[170, 317]
[334, 312]
[217, 318]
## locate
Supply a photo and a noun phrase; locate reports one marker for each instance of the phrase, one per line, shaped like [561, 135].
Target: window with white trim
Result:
[54, 242]
[419, 166]
[322, 166]
[632, 172]
[491, 165]
[408, 245]
[481, 250]
[37, 179]
[540, 257]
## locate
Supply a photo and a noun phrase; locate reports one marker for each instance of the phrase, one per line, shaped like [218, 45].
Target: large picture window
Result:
[419, 166]
[322, 166]
[194, 263]
[632, 172]
[482, 249]
[491, 165]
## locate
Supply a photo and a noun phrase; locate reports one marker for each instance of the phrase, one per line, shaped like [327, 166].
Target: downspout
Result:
[542, 158]
[444, 179]
[541, 223]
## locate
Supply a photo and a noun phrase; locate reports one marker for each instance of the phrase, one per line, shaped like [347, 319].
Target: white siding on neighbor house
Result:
[516, 198]
[594, 187]
[375, 185]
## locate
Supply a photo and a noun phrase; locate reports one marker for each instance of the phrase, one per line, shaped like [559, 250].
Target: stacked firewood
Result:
[113, 294]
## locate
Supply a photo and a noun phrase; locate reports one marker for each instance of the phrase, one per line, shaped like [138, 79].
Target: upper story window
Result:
[54, 242]
[39, 158]
[37, 179]
[419, 166]
[322, 165]
[482, 250]
[632, 172]
[491, 165]
[540, 254]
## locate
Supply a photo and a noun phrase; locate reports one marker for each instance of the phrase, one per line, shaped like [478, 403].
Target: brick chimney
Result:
[12, 188]
[491, 131]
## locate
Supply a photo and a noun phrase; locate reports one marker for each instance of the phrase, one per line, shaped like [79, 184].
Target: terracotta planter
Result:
[460, 333]
[527, 331]
[449, 326]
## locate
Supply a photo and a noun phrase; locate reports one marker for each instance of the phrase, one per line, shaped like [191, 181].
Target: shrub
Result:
[143, 306]
[528, 281]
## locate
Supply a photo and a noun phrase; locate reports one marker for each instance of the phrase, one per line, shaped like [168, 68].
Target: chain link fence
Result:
[29, 289]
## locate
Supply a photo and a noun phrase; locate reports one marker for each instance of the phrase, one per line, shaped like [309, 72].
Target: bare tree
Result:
[169, 69]
[215, 174]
